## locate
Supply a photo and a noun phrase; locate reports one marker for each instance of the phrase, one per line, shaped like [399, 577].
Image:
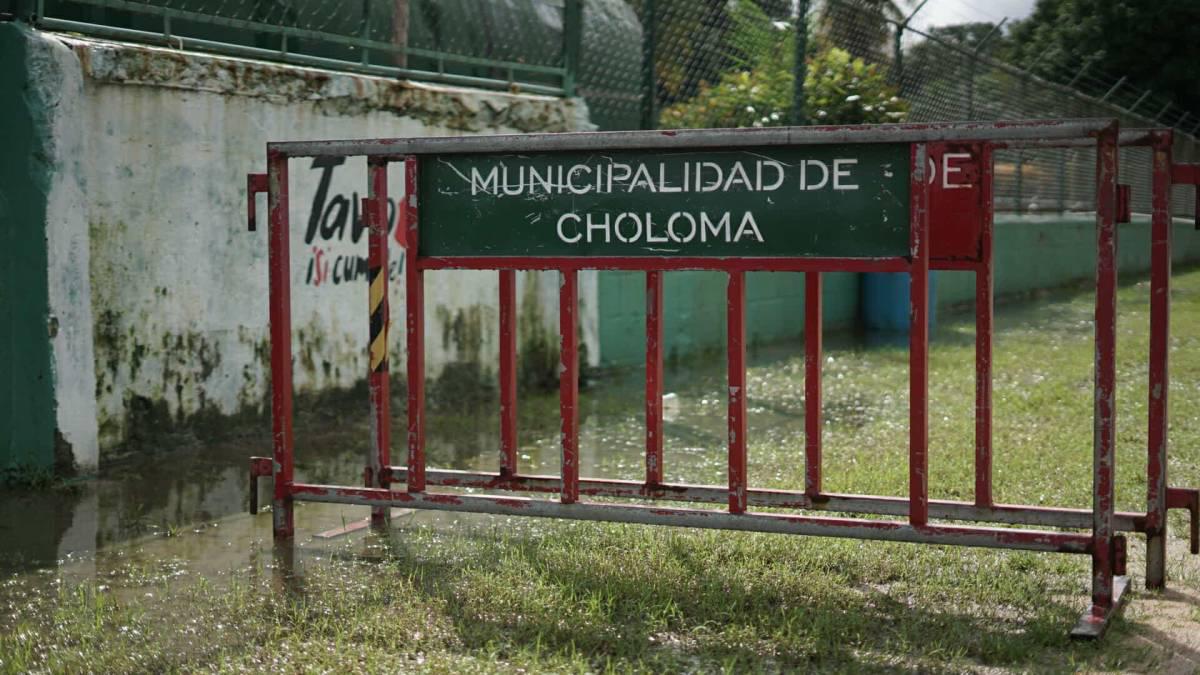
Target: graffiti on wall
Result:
[335, 233]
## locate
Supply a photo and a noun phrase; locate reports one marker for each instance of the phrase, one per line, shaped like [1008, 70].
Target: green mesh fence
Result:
[678, 63]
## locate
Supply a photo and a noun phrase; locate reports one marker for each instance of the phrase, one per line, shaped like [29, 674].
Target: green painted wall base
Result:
[1031, 253]
[694, 305]
[27, 418]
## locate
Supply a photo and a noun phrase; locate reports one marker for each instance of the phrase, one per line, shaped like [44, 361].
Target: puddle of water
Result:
[152, 497]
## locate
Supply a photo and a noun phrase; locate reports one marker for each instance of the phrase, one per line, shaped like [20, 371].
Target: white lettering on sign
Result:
[515, 179]
[951, 164]
[633, 228]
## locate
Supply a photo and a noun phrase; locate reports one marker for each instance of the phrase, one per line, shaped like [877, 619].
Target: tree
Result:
[1154, 43]
[757, 90]
[861, 27]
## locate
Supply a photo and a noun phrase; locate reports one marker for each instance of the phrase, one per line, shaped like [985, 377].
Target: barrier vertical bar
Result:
[280, 287]
[918, 348]
[654, 378]
[508, 373]
[375, 212]
[813, 348]
[984, 291]
[1160, 325]
[568, 383]
[414, 310]
[736, 319]
[1104, 431]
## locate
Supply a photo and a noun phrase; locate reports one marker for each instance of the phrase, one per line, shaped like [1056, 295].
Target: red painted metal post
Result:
[280, 282]
[813, 420]
[654, 378]
[984, 290]
[1160, 325]
[375, 211]
[414, 309]
[736, 319]
[508, 373]
[1104, 439]
[568, 383]
[918, 348]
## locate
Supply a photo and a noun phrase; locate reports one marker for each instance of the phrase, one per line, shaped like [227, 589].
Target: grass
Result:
[511, 595]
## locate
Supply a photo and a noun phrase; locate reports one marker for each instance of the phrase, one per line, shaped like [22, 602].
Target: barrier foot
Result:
[260, 467]
[1095, 620]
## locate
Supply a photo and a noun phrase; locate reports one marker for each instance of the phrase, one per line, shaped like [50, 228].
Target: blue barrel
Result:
[885, 297]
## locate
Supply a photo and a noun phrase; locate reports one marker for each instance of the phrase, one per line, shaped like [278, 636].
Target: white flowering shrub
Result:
[757, 92]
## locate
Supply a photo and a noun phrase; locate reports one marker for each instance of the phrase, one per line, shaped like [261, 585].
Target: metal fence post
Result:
[974, 63]
[800, 68]
[572, 36]
[649, 71]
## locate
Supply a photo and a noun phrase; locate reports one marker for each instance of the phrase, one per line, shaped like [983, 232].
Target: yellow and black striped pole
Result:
[375, 211]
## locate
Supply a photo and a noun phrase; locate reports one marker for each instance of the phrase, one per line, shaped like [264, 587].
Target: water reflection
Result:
[156, 495]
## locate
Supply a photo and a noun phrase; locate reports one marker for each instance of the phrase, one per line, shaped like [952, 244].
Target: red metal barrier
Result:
[945, 195]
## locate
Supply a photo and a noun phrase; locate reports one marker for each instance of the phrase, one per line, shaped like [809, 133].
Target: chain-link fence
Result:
[732, 63]
[678, 63]
[531, 45]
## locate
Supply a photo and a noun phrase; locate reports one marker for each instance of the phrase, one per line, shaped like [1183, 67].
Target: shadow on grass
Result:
[700, 603]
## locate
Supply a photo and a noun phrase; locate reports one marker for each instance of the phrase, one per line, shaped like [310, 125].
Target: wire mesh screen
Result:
[732, 63]
[682, 63]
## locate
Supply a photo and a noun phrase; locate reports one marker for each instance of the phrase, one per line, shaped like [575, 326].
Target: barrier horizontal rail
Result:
[917, 198]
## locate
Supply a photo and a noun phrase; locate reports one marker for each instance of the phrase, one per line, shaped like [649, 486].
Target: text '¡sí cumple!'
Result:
[679, 226]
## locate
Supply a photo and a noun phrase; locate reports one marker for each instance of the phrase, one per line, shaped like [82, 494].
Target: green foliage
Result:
[1155, 43]
[839, 88]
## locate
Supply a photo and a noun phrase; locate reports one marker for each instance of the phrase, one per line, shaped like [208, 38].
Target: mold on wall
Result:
[168, 307]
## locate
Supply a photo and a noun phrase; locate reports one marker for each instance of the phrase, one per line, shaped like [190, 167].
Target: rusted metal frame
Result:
[698, 139]
[1126, 138]
[813, 355]
[984, 305]
[375, 210]
[508, 373]
[654, 377]
[568, 384]
[256, 183]
[918, 348]
[659, 264]
[1010, 514]
[279, 286]
[1107, 590]
[260, 467]
[735, 313]
[1160, 321]
[1188, 174]
[1188, 499]
[856, 528]
[414, 310]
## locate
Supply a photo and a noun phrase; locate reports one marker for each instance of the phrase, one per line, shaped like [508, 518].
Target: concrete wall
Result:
[157, 294]
[1031, 253]
[694, 311]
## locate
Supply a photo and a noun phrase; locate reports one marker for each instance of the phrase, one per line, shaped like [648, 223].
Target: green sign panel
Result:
[806, 201]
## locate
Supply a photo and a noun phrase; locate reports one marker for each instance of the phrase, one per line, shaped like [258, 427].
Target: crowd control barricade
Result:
[884, 198]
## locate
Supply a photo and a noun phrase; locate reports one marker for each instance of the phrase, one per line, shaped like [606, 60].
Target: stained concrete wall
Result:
[157, 291]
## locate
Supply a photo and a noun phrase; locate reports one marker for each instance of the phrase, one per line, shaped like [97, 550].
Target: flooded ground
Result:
[155, 524]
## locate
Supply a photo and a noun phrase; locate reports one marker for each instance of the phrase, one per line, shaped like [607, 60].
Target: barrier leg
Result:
[736, 319]
[1106, 590]
[379, 455]
[984, 291]
[654, 378]
[280, 281]
[813, 353]
[1160, 322]
[918, 347]
[508, 373]
[568, 384]
[414, 309]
